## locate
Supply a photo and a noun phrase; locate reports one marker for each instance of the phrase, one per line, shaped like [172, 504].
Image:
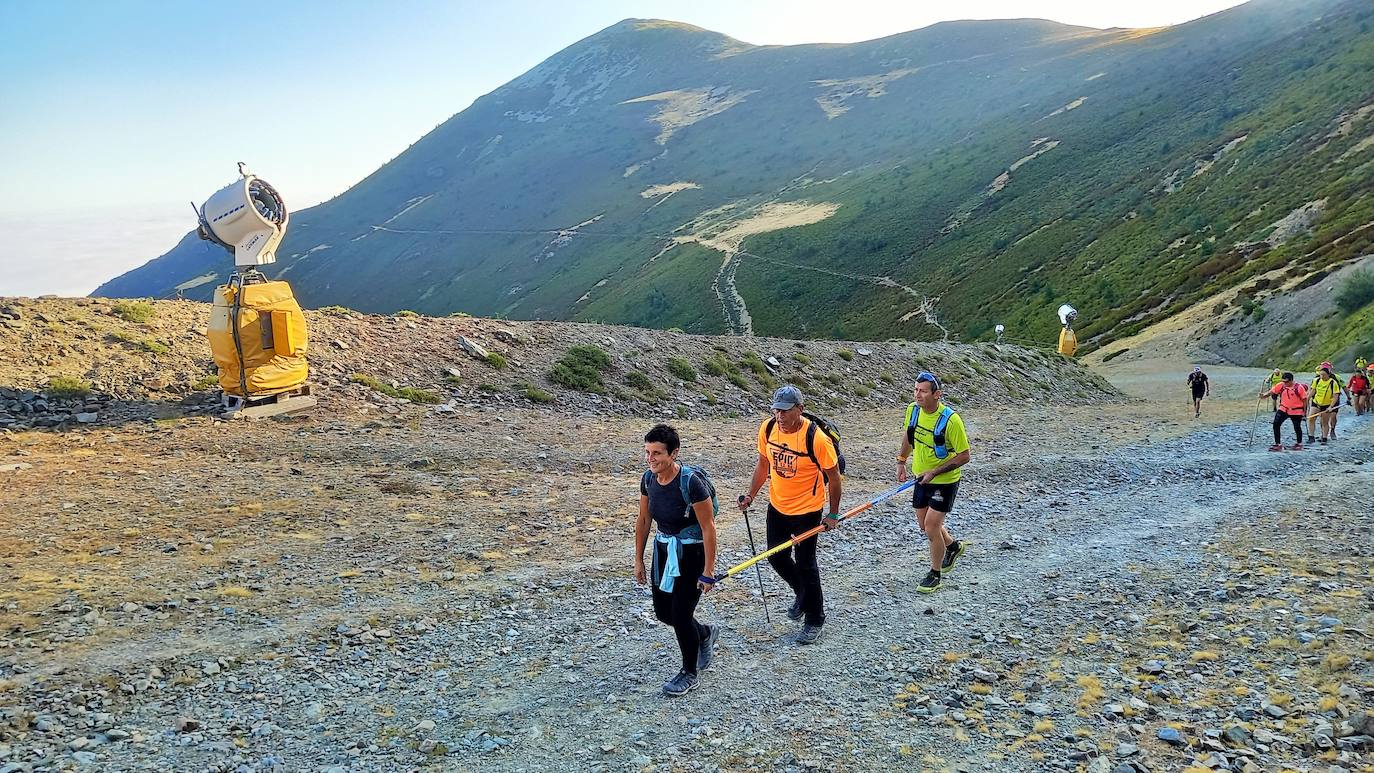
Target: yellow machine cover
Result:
[271, 333]
[1068, 342]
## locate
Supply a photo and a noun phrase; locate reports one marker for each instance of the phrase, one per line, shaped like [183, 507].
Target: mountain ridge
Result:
[952, 159]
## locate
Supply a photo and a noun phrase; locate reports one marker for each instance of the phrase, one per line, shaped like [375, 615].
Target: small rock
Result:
[84, 758]
[1038, 709]
[1126, 749]
[186, 725]
[1153, 667]
[1277, 712]
[87, 418]
[424, 726]
[473, 348]
[1170, 736]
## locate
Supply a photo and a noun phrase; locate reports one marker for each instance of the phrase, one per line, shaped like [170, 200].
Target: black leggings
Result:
[1279, 416]
[797, 567]
[678, 608]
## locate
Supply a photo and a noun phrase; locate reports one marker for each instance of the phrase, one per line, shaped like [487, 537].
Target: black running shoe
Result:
[681, 684]
[952, 554]
[931, 583]
[810, 634]
[705, 652]
[795, 612]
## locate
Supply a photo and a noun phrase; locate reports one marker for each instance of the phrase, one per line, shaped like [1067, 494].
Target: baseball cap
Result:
[1197, 368]
[786, 397]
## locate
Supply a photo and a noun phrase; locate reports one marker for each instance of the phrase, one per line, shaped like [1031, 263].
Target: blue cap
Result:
[786, 397]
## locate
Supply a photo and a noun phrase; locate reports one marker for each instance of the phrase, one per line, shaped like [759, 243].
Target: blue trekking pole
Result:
[757, 571]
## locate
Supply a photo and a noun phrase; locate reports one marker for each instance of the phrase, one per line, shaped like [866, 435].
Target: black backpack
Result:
[830, 428]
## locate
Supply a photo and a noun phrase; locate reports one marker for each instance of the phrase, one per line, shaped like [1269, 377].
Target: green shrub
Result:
[413, 394]
[149, 345]
[453, 380]
[682, 411]
[460, 314]
[681, 368]
[846, 355]
[675, 330]
[535, 394]
[1115, 354]
[710, 398]
[208, 381]
[493, 388]
[639, 380]
[1356, 292]
[338, 311]
[580, 368]
[752, 362]
[134, 311]
[861, 390]
[406, 313]
[802, 358]
[738, 380]
[68, 387]
[496, 360]
[887, 378]
[716, 366]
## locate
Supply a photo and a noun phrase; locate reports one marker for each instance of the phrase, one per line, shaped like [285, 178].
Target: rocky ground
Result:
[448, 588]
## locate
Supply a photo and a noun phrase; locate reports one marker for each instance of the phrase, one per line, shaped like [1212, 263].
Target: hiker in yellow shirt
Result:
[934, 439]
[1325, 401]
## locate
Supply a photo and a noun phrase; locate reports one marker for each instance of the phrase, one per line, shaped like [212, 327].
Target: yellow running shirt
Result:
[923, 442]
[1324, 390]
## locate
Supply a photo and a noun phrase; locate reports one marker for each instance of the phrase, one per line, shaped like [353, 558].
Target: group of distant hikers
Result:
[1318, 401]
[800, 460]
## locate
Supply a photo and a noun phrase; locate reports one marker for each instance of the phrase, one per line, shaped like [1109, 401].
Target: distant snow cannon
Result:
[1068, 341]
[257, 331]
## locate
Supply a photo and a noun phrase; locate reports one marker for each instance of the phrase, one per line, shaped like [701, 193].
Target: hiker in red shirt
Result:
[1292, 405]
[1359, 388]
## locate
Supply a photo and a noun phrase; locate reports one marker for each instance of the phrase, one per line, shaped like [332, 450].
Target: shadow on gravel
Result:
[23, 409]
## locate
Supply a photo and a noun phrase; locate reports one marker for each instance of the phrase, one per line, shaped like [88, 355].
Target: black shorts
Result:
[936, 496]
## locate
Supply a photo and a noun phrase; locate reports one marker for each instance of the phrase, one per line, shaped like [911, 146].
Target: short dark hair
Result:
[1287, 376]
[662, 433]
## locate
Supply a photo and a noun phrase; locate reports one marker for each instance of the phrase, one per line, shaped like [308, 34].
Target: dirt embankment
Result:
[163, 363]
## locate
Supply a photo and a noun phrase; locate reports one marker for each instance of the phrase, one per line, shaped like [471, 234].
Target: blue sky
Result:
[115, 115]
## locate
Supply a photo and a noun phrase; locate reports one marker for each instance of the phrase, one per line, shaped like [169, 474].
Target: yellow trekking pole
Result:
[809, 533]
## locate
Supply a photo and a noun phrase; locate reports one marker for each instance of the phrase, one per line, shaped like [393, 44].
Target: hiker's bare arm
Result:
[960, 459]
[642, 538]
[902, 456]
[832, 486]
[707, 519]
[755, 482]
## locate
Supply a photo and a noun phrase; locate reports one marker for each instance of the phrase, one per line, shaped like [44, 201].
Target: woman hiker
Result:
[684, 557]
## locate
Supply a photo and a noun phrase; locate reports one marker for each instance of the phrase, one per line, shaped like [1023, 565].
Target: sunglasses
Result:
[929, 378]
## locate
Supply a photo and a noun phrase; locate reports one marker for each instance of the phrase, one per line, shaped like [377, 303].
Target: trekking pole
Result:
[753, 549]
[809, 533]
[1255, 422]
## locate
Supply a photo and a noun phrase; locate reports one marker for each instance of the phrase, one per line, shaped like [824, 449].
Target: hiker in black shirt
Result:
[684, 557]
[1197, 381]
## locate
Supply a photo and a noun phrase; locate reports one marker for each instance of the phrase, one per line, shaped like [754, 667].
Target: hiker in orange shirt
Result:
[801, 466]
[1292, 398]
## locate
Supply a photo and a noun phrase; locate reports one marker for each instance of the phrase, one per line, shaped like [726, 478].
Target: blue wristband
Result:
[708, 579]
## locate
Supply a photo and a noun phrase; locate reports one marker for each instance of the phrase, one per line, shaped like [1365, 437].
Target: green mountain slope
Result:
[945, 179]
